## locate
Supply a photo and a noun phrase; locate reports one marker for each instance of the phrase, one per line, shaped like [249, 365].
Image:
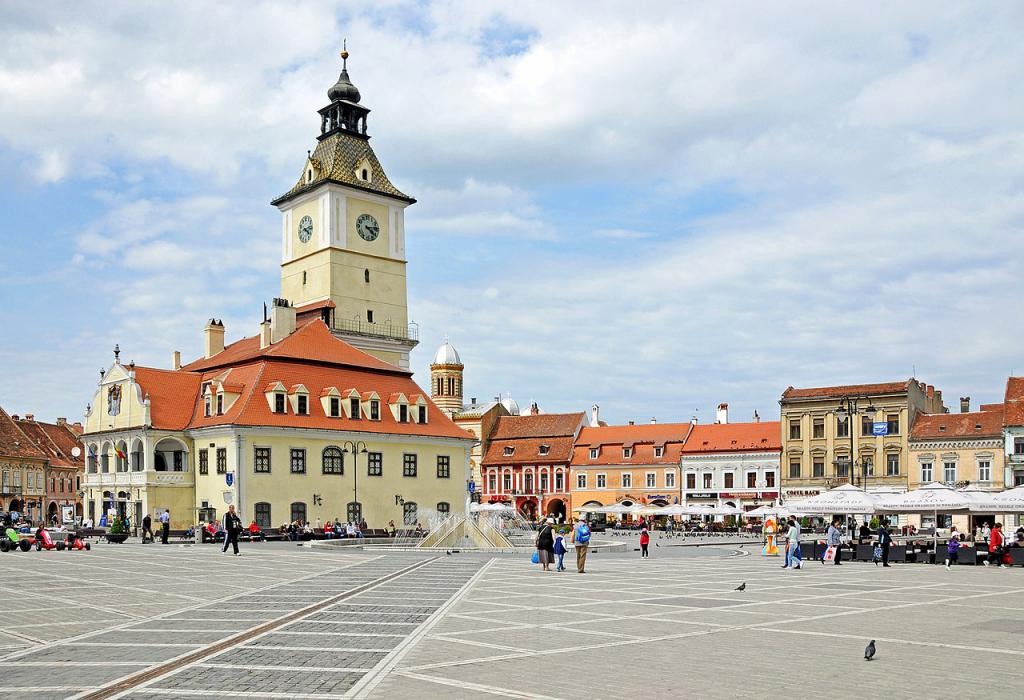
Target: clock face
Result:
[305, 229]
[367, 227]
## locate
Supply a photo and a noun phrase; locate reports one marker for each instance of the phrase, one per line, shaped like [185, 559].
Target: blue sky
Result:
[651, 210]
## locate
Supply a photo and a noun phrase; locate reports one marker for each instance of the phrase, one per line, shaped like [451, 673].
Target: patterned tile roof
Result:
[735, 437]
[338, 155]
[526, 435]
[15, 443]
[56, 441]
[541, 425]
[837, 391]
[936, 426]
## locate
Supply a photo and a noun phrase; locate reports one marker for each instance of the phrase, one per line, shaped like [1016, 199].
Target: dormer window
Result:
[627, 452]
[423, 414]
[279, 403]
[207, 400]
[302, 405]
[375, 411]
[334, 407]
[403, 413]
[220, 404]
[509, 451]
[366, 175]
[594, 452]
[354, 408]
[544, 449]
[659, 451]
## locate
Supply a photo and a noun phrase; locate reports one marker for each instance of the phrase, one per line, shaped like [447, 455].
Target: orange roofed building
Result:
[526, 462]
[290, 424]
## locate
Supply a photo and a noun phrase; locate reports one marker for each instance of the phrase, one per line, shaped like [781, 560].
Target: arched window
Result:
[366, 276]
[443, 508]
[354, 512]
[298, 512]
[409, 514]
[366, 174]
[333, 461]
[262, 514]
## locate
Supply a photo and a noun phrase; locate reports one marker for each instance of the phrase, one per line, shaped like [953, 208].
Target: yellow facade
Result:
[608, 484]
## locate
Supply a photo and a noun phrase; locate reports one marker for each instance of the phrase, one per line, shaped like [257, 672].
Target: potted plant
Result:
[118, 531]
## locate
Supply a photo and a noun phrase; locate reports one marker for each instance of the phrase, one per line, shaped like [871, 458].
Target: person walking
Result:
[986, 532]
[952, 547]
[232, 525]
[165, 526]
[834, 539]
[546, 544]
[560, 551]
[645, 542]
[995, 546]
[147, 529]
[793, 543]
[581, 538]
[884, 540]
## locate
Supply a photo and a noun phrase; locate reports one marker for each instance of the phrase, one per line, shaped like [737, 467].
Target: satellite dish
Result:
[76, 452]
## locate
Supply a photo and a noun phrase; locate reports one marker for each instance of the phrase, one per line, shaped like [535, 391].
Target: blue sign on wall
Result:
[472, 486]
[229, 478]
[879, 428]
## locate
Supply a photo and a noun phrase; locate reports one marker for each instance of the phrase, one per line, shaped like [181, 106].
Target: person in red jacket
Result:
[645, 541]
[995, 547]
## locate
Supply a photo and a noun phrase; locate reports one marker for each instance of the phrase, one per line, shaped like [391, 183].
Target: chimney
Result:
[472, 401]
[282, 320]
[757, 418]
[965, 404]
[693, 421]
[534, 409]
[595, 411]
[722, 415]
[938, 397]
[264, 335]
[62, 421]
[654, 420]
[176, 359]
[30, 416]
[930, 390]
[632, 423]
[77, 425]
[213, 337]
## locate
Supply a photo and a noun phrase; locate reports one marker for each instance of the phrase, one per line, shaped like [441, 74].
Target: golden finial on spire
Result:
[344, 51]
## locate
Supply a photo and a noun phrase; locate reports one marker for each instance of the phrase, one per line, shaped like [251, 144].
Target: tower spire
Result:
[344, 54]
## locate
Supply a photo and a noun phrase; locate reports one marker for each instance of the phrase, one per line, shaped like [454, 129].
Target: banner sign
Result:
[879, 428]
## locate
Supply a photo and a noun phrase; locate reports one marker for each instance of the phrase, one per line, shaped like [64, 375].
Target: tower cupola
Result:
[446, 379]
[344, 114]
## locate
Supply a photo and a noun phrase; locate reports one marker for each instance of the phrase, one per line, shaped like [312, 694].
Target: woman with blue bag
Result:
[546, 544]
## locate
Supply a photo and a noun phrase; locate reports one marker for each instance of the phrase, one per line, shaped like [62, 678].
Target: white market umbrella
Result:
[762, 511]
[616, 509]
[1010, 501]
[725, 510]
[846, 499]
[674, 510]
[651, 510]
[591, 508]
[930, 498]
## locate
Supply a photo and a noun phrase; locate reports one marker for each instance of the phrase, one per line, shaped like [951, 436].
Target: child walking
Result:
[952, 553]
[560, 551]
[645, 541]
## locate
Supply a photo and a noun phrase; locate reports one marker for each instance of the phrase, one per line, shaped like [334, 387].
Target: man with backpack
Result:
[581, 538]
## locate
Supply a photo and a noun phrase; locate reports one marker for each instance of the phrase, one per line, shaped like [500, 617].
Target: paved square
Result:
[283, 621]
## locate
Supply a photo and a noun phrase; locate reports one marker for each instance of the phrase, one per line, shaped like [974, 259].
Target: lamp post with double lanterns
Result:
[355, 448]
[849, 406]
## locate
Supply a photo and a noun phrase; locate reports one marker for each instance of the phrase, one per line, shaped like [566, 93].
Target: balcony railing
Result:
[385, 330]
[1017, 458]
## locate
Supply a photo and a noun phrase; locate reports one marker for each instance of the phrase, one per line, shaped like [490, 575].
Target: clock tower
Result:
[343, 235]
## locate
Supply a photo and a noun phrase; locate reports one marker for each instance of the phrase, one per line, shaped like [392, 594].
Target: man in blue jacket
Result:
[884, 540]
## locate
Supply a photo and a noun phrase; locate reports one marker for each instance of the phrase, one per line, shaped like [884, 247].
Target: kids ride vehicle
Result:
[75, 542]
[12, 542]
[42, 540]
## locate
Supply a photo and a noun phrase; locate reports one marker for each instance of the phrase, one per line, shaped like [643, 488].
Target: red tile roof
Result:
[734, 437]
[935, 426]
[14, 442]
[173, 395]
[1014, 403]
[611, 440]
[541, 425]
[849, 389]
[526, 435]
[55, 441]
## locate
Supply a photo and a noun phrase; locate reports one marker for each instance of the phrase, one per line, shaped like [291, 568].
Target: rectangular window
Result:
[794, 469]
[843, 427]
[206, 406]
[334, 407]
[508, 451]
[892, 420]
[302, 404]
[949, 472]
[691, 481]
[751, 480]
[926, 472]
[842, 467]
[706, 480]
[403, 413]
[729, 480]
[984, 470]
[794, 429]
[544, 449]
[375, 410]
[409, 465]
[659, 451]
[298, 461]
[892, 465]
[443, 508]
[261, 460]
[869, 466]
[444, 467]
[543, 482]
[818, 469]
[179, 461]
[651, 480]
[818, 428]
[492, 483]
[220, 404]
[1018, 446]
[506, 481]
[263, 520]
[559, 482]
[222, 460]
[581, 481]
[423, 414]
[602, 481]
[627, 480]
[279, 402]
[375, 464]
[594, 452]
[627, 452]
[353, 407]
[670, 480]
[204, 461]
[298, 512]
[769, 480]
[867, 425]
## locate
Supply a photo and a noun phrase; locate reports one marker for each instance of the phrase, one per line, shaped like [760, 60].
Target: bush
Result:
[118, 527]
[874, 523]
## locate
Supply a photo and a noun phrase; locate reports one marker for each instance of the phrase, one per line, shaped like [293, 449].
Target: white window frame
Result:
[627, 452]
[945, 468]
[670, 478]
[708, 477]
[595, 452]
[648, 478]
[601, 480]
[581, 480]
[746, 478]
[627, 480]
[508, 451]
[659, 451]
[987, 475]
[930, 465]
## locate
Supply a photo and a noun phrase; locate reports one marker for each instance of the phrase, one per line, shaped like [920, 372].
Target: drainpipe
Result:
[238, 474]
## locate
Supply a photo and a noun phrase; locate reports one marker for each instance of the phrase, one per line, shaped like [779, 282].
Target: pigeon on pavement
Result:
[741, 587]
[870, 651]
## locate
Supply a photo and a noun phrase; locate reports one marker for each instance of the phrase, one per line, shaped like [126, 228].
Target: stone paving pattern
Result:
[472, 625]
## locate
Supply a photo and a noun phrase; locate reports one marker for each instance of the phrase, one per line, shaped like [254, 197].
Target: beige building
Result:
[23, 471]
[824, 446]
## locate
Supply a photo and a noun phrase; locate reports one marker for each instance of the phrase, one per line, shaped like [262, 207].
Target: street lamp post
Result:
[848, 408]
[355, 448]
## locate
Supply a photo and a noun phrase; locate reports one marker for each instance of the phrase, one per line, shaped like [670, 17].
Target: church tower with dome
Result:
[446, 379]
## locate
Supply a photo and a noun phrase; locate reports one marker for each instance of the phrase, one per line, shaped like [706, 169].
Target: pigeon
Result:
[869, 652]
[656, 544]
[447, 552]
[741, 587]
